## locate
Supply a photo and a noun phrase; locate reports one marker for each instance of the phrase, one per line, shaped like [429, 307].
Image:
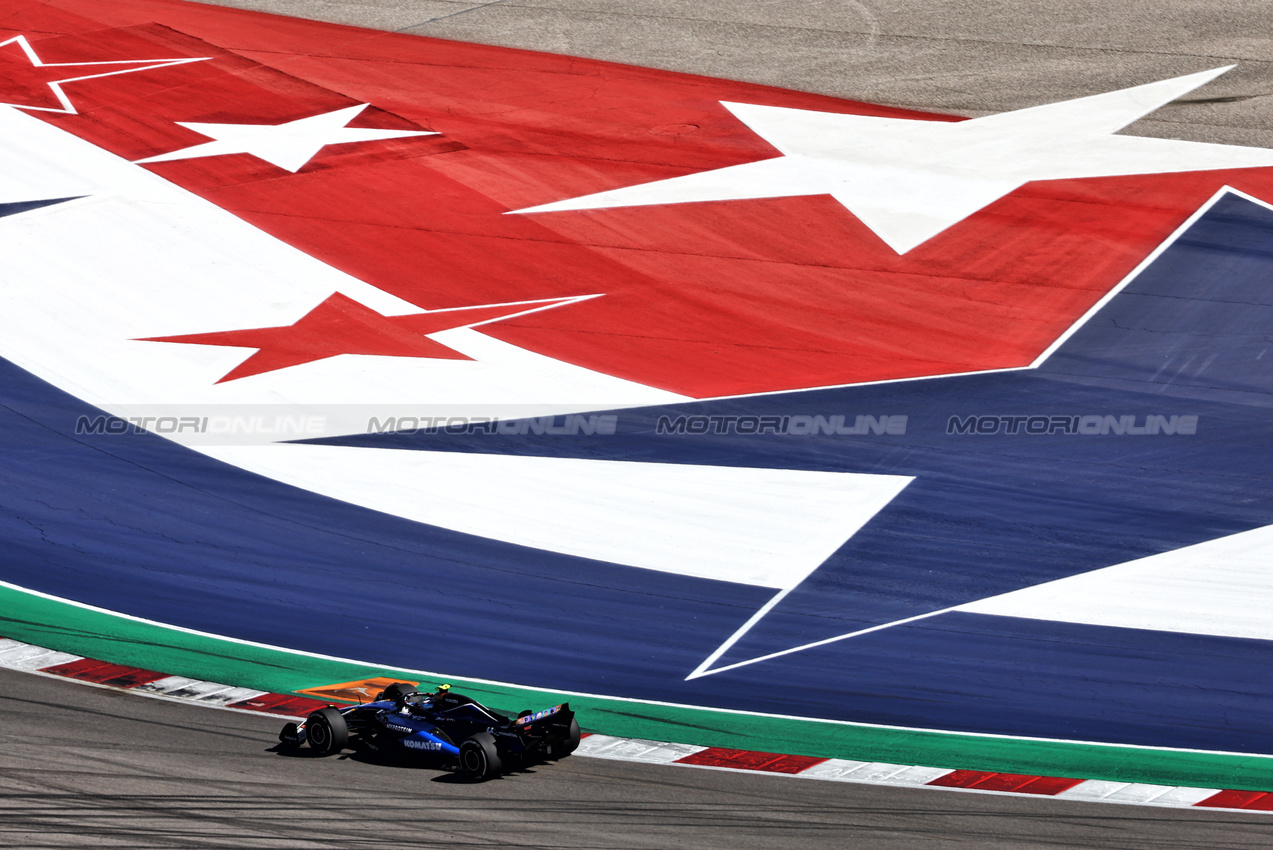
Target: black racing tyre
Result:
[479, 760]
[398, 690]
[326, 731]
[571, 743]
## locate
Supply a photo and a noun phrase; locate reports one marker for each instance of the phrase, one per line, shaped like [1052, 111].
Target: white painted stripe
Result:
[181, 687]
[1136, 793]
[1220, 587]
[834, 769]
[882, 773]
[21, 656]
[634, 749]
[7, 644]
[1092, 790]
[702, 669]
[166, 684]
[875, 773]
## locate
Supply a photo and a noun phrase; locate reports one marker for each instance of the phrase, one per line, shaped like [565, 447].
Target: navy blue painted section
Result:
[137, 524]
[979, 673]
[15, 207]
[1195, 325]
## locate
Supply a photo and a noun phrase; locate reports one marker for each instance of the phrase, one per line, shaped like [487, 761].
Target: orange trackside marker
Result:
[363, 690]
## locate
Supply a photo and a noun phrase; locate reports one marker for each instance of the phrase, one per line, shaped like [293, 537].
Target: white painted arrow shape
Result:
[1220, 587]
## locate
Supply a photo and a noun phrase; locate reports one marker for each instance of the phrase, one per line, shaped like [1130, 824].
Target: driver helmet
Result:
[398, 692]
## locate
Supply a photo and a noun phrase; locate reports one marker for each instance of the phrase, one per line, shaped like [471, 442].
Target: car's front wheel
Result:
[326, 731]
[479, 759]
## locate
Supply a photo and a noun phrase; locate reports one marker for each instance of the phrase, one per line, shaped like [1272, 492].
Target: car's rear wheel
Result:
[572, 740]
[326, 731]
[566, 746]
[479, 759]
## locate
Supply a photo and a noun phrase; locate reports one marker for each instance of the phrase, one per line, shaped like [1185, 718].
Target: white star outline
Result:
[289, 146]
[68, 108]
[910, 179]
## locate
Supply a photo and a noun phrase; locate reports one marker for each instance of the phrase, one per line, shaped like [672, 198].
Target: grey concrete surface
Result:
[82, 766]
[956, 56]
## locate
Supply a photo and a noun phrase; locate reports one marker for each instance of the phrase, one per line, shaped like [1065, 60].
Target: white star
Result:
[289, 145]
[909, 180]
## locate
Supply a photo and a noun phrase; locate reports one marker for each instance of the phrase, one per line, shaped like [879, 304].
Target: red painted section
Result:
[1255, 800]
[703, 299]
[30, 85]
[119, 675]
[963, 778]
[281, 704]
[1014, 782]
[748, 760]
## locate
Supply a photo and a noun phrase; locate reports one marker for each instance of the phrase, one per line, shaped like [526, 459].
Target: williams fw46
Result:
[458, 732]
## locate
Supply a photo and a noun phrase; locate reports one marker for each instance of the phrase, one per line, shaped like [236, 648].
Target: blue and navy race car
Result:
[456, 730]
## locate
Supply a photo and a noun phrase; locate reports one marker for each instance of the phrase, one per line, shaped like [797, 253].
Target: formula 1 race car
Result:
[457, 731]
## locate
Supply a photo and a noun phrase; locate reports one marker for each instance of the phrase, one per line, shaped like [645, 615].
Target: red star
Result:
[27, 82]
[340, 325]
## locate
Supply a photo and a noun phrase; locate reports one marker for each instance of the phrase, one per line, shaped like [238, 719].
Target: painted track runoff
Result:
[1136, 723]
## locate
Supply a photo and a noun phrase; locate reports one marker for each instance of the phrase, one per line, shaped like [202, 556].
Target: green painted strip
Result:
[57, 624]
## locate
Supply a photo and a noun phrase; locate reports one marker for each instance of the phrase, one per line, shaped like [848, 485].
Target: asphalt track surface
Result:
[951, 56]
[82, 766]
[87, 766]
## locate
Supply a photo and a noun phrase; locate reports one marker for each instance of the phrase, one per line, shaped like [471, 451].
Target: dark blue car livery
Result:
[459, 731]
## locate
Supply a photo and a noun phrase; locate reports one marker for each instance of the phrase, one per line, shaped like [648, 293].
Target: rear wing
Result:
[564, 708]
